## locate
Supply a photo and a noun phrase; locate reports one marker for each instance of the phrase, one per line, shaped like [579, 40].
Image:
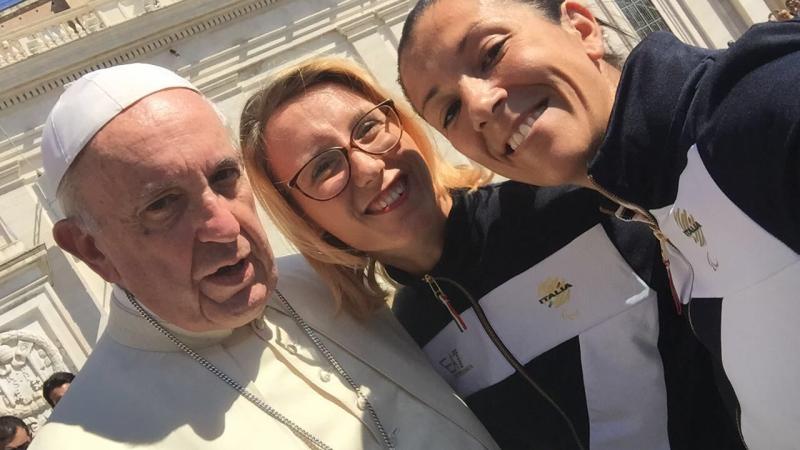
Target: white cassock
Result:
[137, 390]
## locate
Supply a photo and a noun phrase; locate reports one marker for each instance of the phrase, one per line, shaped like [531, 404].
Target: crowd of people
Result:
[632, 286]
[15, 434]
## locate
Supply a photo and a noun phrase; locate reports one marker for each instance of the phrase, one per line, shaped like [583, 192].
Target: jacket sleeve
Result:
[747, 115]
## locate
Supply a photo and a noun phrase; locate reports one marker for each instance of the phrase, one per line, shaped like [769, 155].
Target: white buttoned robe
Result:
[137, 390]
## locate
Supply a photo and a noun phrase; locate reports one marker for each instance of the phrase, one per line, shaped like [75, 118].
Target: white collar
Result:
[129, 328]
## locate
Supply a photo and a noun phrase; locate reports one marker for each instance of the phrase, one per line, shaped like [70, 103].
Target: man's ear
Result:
[577, 18]
[74, 238]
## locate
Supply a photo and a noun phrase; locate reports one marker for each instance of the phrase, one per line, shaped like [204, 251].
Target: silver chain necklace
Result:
[306, 436]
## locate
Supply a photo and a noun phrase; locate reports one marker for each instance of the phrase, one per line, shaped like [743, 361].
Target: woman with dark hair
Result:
[14, 433]
[701, 146]
[554, 322]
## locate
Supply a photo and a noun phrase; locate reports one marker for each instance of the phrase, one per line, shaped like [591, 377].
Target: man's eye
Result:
[162, 204]
[225, 176]
[450, 113]
[162, 211]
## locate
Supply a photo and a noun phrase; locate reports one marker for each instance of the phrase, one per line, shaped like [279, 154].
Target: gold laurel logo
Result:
[554, 292]
[690, 227]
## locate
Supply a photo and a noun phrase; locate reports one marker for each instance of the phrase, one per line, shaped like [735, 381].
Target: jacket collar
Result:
[642, 153]
[458, 227]
[380, 343]
[127, 327]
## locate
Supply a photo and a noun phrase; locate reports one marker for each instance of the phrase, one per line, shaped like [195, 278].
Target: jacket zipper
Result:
[445, 300]
[644, 216]
[663, 241]
[691, 322]
[739, 426]
[738, 411]
[498, 343]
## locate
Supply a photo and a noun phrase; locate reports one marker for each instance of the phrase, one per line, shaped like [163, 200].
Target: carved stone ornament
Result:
[26, 361]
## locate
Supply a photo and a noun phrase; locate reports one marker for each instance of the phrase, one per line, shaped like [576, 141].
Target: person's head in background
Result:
[524, 87]
[350, 177]
[56, 386]
[14, 433]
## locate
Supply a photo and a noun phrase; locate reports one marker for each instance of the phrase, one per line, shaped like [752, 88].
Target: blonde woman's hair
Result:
[352, 276]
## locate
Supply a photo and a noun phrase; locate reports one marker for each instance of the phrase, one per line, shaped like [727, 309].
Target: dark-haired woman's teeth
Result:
[521, 133]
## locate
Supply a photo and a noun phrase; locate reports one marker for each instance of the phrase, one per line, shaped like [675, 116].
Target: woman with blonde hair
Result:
[409, 393]
[542, 312]
[352, 275]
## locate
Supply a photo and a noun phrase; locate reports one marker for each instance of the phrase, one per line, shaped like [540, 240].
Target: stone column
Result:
[374, 38]
[752, 11]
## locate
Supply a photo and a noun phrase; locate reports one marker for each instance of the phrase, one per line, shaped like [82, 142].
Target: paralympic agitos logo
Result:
[694, 230]
[690, 227]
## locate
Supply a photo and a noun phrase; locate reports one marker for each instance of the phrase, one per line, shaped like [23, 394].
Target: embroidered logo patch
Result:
[554, 292]
[690, 227]
[452, 363]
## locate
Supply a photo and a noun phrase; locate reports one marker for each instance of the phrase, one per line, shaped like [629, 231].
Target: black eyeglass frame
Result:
[292, 183]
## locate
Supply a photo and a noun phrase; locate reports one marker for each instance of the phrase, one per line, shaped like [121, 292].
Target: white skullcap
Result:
[88, 105]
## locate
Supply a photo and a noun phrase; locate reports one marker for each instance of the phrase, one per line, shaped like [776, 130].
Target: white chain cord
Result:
[339, 369]
[309, 438]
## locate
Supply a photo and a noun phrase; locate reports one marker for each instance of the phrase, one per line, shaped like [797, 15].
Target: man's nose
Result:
[217, 221]
[482, 100]
[365, 168]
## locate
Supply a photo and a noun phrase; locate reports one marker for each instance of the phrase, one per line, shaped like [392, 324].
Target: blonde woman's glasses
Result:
[327, 174]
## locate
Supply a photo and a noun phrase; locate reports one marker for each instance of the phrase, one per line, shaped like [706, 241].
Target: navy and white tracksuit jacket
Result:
[706, 145]
[581, 299]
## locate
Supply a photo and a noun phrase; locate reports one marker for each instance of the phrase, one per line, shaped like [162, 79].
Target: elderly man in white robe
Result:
[206, 348]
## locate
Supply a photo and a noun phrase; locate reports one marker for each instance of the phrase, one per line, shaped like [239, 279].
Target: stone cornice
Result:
[360, 26]
[134, 39]
[21, 7]
[125, 42]
[385, 13]
[220, 75]
[26, 258]
[394, 12]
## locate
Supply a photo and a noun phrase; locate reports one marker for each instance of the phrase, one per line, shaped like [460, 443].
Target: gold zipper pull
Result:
[631, 212]
[439, 294]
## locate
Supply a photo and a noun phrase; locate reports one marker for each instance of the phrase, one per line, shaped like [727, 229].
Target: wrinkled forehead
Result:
[162, 126]
[163, 139]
